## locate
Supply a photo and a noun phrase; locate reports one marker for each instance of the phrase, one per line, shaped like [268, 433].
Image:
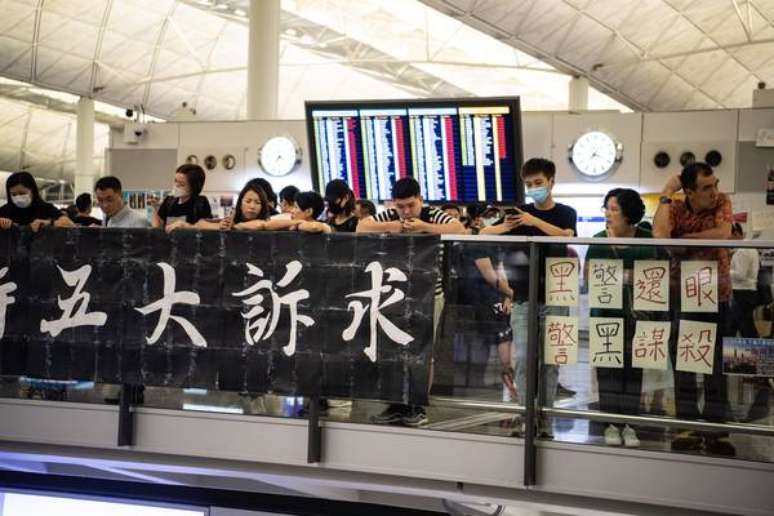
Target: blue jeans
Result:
[550, 373]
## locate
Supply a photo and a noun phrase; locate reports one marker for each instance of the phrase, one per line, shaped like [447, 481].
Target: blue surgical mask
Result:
[539, 194]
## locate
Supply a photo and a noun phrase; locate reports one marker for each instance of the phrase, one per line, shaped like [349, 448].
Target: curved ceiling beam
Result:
[98, 47]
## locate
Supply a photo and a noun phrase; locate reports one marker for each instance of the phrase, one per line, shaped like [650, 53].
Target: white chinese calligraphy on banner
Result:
[75, 308]
[561, 281]
[560, 343]
[6, 299]
[606, 284]
[606, 341]
[651, 345]
[696, 347]
[651, 285]
[698, 286]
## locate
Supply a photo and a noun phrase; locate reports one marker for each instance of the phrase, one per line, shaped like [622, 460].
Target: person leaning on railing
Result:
[704, 214]
[411, 216]
[543, 217]
[620, 388]
[25, 207]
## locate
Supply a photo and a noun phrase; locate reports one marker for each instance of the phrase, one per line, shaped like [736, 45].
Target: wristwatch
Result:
[665, 199]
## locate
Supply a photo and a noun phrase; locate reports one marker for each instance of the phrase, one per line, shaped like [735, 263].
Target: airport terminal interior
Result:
[311, 257]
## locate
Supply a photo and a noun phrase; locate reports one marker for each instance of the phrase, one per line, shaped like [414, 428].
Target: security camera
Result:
[761, 85]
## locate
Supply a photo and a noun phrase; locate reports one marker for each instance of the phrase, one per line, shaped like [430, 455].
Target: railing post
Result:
[314, 439]
[125, 415]
[533, 368]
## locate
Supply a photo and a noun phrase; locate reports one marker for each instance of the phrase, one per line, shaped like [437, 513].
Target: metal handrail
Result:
[595, 415]
[654, 242]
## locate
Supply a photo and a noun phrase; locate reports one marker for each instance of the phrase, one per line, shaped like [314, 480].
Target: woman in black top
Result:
[341, 207]
[185, 207]
[252, 211]
[26, 208]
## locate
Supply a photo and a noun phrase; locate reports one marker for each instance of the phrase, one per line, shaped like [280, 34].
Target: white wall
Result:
[242, 139]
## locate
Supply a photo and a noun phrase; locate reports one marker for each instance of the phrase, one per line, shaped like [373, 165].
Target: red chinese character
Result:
[649, 289]
[560, 271]
[652, 347]
[696, 285]
[696, 351]
[560, 338]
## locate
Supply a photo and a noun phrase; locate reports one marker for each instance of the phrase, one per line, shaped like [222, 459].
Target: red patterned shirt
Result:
[685, 221]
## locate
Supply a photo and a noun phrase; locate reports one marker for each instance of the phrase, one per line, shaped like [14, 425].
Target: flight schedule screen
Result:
[459, 153]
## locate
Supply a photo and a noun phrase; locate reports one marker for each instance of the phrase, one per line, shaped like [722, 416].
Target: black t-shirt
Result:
[24, 216]
[193, 210]
[348, 226]
[84, 220]
[561, 216]
[516, 262]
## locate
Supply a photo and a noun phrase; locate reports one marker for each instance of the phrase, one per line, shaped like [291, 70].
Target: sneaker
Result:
[687, 441]
[630, 439]
[719, 446]
[415, 417]
[545, 428]
[391, 415]
[612, 436]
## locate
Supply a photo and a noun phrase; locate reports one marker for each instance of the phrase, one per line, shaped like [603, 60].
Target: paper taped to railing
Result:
[560, 343]
[650, 346]
[696, 347]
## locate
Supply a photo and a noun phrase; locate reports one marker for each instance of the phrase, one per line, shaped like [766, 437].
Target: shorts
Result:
[493, 325]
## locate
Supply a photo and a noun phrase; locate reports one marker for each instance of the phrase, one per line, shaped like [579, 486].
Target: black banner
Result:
[295, 314]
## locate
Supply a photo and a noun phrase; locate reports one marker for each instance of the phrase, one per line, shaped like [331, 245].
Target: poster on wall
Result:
[748, 357]
[283, 312]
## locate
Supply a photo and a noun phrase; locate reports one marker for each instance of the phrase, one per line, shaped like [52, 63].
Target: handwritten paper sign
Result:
[562, 281]
[696, 347]
[651, 285]
[650, 345]
[560, 344]
[606, 342]
[699, 286]
[606, 284]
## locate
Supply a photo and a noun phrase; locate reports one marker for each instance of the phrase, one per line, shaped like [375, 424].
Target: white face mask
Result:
[22, 200]
[491, 221]
[180, 192]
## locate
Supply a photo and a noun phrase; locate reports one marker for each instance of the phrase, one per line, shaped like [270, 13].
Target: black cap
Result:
[335, 190]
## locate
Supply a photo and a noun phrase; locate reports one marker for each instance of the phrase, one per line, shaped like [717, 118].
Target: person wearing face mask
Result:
[251, 213]
[542, 217]
[341, 207]
[185, 207]
[26, 208]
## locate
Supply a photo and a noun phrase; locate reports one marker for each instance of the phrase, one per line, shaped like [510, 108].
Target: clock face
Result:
[595, 154]
[279, 156]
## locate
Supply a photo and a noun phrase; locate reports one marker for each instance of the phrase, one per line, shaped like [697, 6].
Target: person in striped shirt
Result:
[410, 215]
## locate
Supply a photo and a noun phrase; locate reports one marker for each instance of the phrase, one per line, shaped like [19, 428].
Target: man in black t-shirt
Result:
[542, 217]
[410, 216]
[83, 205]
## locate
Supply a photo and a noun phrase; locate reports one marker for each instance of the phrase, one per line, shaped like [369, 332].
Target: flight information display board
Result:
[462, 150]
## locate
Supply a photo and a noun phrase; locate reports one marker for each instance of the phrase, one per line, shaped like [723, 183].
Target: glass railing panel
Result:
[673, 332]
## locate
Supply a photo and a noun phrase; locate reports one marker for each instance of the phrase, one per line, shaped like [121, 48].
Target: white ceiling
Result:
[653, 55]
[639, 54]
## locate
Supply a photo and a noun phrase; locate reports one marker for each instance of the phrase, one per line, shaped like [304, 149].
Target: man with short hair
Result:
[542, 217]
[452, 210]
[83, 205]
[111, 201]
[704, 214]
[410, 215]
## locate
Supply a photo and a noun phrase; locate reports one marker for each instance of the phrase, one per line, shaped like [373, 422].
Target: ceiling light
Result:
[240, 12]
[291, 32]
[307, 39]
[222, 7]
